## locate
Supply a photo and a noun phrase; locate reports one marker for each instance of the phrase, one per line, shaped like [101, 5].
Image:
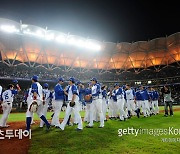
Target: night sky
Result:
[103, 20]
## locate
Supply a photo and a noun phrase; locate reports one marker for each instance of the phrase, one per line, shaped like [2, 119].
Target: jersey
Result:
[71, 90]
[8, 95]
[96, 90]
[46, 93]
[129, 94]
[58, 92]
[36, 87]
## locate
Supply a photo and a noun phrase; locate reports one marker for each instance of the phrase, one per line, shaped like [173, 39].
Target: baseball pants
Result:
[6, 107]
[97, 105]
[57, 105]
[120, 103]
[145, 108]
[69, 110]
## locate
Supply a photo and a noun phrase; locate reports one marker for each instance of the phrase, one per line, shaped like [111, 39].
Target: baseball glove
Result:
[87, 98]
[33, 107]
[71, 104]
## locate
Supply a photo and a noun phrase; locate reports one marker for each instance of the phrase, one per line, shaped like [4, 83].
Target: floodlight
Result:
[9, 28]
[61, 39]
[49, 36]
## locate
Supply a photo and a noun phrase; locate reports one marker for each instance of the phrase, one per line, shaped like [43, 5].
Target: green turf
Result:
[21, 116]
[106, 140]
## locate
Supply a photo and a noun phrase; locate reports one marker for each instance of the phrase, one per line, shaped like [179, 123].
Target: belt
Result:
[130, 99]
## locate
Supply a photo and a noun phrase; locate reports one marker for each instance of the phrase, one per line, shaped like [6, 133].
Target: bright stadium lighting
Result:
[93, 46]
[39, 33]
[61, 39]
[80, 43]
[9, 29]
[71, 41]
[49, 36]
[24, 26]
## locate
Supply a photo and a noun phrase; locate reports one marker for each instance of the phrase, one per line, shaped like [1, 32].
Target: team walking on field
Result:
[98, 101]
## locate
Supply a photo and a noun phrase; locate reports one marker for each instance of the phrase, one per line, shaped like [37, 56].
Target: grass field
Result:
[105, 140]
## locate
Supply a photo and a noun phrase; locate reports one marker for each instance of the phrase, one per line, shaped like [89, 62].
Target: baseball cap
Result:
[94, 79]
[72, 79]
[46, 85]
[35, 77]
[15, 81]
[78, 82]
[61, 79]
[116, 84]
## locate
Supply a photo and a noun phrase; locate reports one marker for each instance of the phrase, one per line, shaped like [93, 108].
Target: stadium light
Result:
[72, 41]
[80, 43]
[24, 26]
[61, 39]
[9, 28]
[49, 36]
[93, 46]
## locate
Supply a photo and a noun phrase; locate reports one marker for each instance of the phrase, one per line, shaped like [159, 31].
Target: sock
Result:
[28, 123]
[45, 120]
[68, 122]
[129, 113]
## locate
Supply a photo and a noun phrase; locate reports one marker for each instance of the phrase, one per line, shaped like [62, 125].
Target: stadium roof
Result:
[35, 46]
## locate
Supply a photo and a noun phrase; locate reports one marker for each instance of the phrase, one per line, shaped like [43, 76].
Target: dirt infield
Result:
[14, 145]
[21, 146]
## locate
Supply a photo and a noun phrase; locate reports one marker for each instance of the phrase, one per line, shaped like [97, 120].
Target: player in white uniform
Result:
[7, 100]
[110, 104]
[36, 100]
[57, 102]
[119, 93]
[96, 102]
[130, 100]
[73, 106]
[46, 99]
[0, 90]
[104, 101]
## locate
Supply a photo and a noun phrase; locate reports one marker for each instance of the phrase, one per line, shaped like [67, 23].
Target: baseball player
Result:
[154, 98]
[145, 104]
[87, 92]
[0, 97]
[57, 102]
[119, 93]
[96, 102]
[114, 103]
[130, 100]
[46, 99]
[110, 104]
[73, 105]
[104, 101]
[36, 103]
[7, 100]
[138, 101]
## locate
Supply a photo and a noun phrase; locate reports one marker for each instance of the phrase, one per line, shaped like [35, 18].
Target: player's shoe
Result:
[77, 129]
[48, 127]
[89, 126]
[101, 127]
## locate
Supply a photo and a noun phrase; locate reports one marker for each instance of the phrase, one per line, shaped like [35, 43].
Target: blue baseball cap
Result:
[72, 79]
[15, 81]
[61, 79]
[94, 79]
[116, 84]
[78, 82]
[46, 85]
[35, 77]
